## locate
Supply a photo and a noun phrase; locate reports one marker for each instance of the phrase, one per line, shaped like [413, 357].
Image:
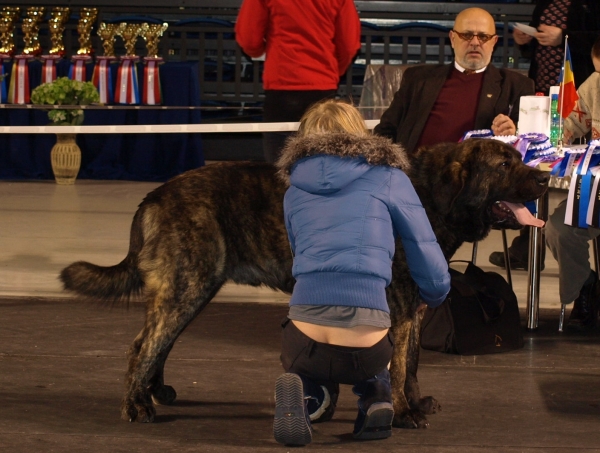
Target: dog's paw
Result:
[429, 405]
[164, 395]
[138, 413]
[410, 420]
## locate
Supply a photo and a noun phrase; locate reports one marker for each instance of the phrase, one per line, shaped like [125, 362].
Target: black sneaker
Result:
[375, 423]
[292, 424]
[375, 409]
[584, 315]
[497, 259]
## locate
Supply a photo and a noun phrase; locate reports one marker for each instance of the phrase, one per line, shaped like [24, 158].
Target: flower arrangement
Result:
[64, 91]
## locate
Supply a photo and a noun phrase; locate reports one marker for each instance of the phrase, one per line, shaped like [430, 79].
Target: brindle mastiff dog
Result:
[224, 222]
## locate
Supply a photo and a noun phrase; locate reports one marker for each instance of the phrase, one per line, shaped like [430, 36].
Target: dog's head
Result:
[464, 185]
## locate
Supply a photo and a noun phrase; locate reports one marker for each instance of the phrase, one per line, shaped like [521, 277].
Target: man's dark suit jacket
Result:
[405, 118]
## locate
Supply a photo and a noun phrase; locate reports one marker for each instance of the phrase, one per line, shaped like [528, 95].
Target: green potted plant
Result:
[65, 155]
[64, 91]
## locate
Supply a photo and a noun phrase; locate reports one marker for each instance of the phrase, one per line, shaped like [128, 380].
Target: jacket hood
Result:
[325, 163]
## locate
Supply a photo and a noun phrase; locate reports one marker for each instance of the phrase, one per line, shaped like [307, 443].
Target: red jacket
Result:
[309, 44]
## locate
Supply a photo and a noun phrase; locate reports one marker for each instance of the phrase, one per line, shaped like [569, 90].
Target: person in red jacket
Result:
[308, 45]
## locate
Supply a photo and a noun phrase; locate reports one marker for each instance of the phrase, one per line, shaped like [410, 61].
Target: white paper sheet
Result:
[528, 30]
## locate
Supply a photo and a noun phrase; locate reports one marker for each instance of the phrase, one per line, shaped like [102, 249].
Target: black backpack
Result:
[479, 316]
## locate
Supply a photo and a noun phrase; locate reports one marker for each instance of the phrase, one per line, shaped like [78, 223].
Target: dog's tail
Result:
[110, 283]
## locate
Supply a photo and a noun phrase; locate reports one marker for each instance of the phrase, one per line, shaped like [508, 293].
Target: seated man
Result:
[570, 245]
[439, 103]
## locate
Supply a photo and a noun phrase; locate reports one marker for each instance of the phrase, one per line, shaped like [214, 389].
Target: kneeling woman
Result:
[347, 202]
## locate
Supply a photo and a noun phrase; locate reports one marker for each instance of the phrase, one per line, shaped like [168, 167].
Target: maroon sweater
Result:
[454, 110]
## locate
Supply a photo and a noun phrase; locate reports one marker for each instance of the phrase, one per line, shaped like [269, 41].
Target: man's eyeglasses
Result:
[468, 36]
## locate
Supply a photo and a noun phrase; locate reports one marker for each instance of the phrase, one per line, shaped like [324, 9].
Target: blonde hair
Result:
[332, 116]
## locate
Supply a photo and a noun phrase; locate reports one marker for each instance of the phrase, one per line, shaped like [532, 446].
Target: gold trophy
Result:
[31, 30]
[7, 24]
[56, 25]
[152, 92]
[102, 72]
[107, 33]
[87, 17]
[127, 91]
[59, 16]
[130, 33]
[152, 35]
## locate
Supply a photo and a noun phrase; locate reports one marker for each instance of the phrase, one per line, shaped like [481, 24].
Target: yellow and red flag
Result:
[567, 96]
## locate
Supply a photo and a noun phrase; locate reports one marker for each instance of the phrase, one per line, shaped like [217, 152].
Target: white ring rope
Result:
[160, 128]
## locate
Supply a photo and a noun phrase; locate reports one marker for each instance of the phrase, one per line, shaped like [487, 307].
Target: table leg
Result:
[536, 247]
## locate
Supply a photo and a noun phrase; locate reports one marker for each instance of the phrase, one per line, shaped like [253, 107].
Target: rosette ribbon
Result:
[102, 79]
[49, 67]
[152, 94]
[77, 71]
[18, 90]
[580, 190]
[127, 91]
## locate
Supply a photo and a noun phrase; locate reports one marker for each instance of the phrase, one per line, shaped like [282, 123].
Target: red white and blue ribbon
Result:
[102, 79]
[152, 94]
[580, 189]
[49, 67]
[18, 90]
[77, 71]
[127, 90]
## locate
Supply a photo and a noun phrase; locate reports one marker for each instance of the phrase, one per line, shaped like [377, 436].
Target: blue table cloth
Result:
[137, 157]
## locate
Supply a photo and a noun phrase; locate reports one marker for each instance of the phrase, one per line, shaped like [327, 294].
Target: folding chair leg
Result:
[474, 253]
[506, 258]
[561, 319]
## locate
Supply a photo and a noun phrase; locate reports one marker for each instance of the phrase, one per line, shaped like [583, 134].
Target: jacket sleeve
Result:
[251, 27]
[579, 121]
[347, 35]
[426, 261]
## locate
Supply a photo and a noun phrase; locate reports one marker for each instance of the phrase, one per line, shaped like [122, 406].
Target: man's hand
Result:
[549, 35]
[503, 125]
[521, 38]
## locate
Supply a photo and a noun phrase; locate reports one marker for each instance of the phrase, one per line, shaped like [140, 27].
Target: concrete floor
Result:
[62, 360]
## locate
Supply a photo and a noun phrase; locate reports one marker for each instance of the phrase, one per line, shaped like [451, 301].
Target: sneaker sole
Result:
[290, 426]
[378, 422]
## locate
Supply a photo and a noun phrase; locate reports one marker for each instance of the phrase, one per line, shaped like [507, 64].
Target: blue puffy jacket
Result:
[348, 200]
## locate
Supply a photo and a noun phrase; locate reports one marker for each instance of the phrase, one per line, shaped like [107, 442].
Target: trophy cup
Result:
[7, 24]
[152, 93]
[102, 77]
[127, 81]
[7, 45]
[31, 30]
[87, 17]
[18, 90]
[59, 16]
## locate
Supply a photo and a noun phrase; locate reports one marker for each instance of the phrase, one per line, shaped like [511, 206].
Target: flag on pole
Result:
[567, 96]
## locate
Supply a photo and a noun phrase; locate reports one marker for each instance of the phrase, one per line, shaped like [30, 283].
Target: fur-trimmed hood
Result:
[337, 159]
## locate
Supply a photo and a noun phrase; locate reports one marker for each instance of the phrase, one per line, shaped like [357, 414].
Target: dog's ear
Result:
[452, 182]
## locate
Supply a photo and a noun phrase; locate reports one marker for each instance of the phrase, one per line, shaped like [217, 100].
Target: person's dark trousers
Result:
[321, 365]
[286, 106]
[518, 252]
[330, 365]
